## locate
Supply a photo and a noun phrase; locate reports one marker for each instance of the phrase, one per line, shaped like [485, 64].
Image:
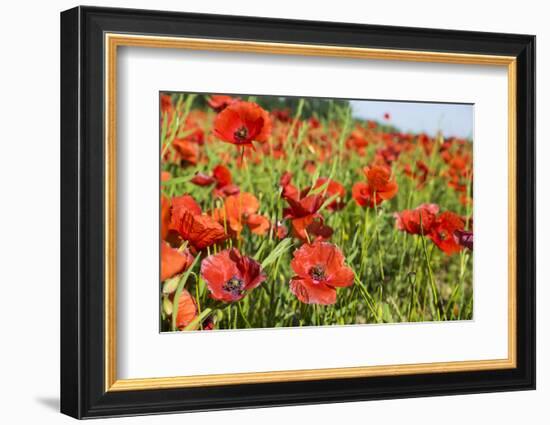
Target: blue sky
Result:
[451, 119]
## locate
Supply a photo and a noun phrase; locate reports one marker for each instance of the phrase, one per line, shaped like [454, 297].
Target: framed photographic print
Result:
[261, 212]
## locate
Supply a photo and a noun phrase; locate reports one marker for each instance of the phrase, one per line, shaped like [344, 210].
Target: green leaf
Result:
[194, 325]
[283, 247]
[176, 180]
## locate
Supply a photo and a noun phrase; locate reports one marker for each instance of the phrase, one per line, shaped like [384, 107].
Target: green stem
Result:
[240, 308]
[435, 294]
[378, 244]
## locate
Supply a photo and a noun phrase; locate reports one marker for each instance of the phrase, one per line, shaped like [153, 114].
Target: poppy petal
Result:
[258, 224]
[201, 179]
[172, 261]
[310, 293]
[187, 310]
[222, 175]
[200, 230]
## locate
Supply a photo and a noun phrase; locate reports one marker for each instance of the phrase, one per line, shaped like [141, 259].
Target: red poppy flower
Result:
[241, 123]
[281, 231]
[309, 205]
[194, 126]
[228, 275]
[240, 210]
[417, 221]
[388, 154]
[223, 179]
[164, 217]
[282, 115]
[200, 230]
[219, 102]
[222, 175]
[420, 174]
[331, 188]
[443, 230]
[319, 269]
[302, 213]
[187, 310]
[379, 187]
[314, 123]
[201, 179]
[186, 151]
[187, 202]
[318, 230]
[288, 189]
[358, 142]
[172, 261]
[310, 166]
[166, 106]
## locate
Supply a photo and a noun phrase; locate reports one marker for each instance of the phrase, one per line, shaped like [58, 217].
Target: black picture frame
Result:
[82, 218]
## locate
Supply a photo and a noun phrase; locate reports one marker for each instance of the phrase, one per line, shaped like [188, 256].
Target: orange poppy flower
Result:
[172, 261]
[229, 275]
[379, 187]
[417, 221]
[241, 123]
[443, 230]
[200, 230]
[319, 269]
[241, 210]
[218, 102]
[187, 310]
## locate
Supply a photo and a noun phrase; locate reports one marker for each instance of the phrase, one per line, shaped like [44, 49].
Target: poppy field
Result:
[282, 212]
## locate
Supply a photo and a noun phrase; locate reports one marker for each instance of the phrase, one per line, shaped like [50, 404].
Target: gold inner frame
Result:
[113, 41]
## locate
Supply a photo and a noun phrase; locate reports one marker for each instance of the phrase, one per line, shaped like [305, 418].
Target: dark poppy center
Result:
[317, 272]
[234, 286]
[443, 235]
[241, 133]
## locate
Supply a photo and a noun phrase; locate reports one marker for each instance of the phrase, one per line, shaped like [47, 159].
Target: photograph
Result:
[280, 212]
[298, 191]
